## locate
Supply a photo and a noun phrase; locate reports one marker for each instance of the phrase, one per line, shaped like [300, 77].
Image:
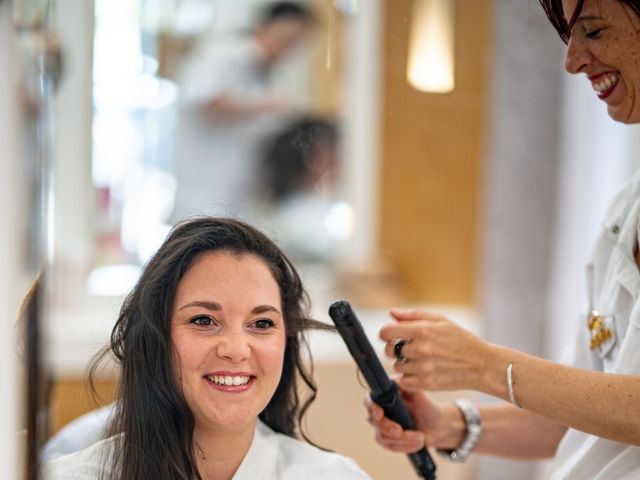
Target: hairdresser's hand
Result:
[437, 426]
[440, 355]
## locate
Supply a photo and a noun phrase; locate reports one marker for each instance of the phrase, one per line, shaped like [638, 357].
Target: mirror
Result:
[208, 107]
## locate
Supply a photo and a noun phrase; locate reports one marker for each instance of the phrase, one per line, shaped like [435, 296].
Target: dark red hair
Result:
[556, 15]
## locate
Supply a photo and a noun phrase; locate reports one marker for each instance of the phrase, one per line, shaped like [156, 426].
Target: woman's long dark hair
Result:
[151, 411]
[556, 15]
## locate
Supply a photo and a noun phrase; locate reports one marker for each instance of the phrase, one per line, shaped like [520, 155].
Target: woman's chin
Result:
[622, 116]
[225, 422]
[628, 114]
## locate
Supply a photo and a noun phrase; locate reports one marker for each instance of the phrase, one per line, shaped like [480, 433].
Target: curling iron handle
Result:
[395, 409]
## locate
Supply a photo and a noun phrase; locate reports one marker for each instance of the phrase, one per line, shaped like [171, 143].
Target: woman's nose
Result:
[578, 56]
[234, 347]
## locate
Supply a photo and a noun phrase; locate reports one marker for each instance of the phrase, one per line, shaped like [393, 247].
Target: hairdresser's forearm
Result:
[517, 433]
[606, 405]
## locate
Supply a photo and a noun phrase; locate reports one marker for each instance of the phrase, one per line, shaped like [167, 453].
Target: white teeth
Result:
[606, 83]
[228, 380]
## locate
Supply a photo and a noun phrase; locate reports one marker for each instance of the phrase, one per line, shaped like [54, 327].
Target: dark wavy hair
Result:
[556, 15]
[289, 156]
[151, 411]
[286, 10]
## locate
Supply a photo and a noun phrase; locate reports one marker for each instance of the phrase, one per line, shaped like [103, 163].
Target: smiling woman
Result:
[209, 348]
[602, 38]
[229, 338]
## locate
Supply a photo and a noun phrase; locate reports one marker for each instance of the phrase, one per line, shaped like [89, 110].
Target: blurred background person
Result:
[299, 171]
[229, 103]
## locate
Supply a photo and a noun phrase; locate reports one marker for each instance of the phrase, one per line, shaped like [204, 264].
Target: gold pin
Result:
[599, 337]
[599, 332]
[595, 323]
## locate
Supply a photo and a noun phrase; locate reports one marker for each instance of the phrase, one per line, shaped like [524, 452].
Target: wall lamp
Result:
[430, 66]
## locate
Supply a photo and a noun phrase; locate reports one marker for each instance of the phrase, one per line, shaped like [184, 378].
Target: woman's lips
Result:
[230, 382]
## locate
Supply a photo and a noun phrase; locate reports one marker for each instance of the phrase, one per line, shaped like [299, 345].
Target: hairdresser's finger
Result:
[374, 410]
[412, 383]
[387, 427]
[402, 349]
[411, 315]
[392, 332]
[409, 442]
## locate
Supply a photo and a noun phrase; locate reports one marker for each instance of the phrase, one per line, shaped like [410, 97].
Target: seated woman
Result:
[209, 348]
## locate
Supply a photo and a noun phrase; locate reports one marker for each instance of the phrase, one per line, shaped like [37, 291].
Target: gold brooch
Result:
[599, 332]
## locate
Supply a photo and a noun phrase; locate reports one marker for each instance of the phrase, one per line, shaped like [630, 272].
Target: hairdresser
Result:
[587, 415]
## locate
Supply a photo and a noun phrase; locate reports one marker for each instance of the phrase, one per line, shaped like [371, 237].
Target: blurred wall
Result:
[519, 202]
[73, 112]
[433, 149]
[13, 234]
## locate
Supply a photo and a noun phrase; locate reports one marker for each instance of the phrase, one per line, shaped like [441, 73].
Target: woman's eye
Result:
[593, 33]
[263, 323]
[201, 321]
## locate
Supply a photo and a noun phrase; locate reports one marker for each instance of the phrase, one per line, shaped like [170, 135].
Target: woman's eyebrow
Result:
[214, 306]
[265, 308]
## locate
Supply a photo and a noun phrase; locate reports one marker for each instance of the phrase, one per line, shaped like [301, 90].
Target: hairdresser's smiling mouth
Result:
[605, 83]
[230, 382]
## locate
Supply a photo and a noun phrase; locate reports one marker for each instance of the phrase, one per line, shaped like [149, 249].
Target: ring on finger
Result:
[397, 351]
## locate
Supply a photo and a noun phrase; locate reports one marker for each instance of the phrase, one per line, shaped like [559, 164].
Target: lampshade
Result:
[430, 66]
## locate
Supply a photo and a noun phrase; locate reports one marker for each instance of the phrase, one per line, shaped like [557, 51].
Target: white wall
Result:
[361, 116]
[518, 210]
[72, 113]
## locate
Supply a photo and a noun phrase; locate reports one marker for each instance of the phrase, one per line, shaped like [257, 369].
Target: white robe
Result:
[616, 296]
[272, 456]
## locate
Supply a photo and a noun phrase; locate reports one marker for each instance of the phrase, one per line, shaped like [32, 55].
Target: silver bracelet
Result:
[512, 395]
[473, 425]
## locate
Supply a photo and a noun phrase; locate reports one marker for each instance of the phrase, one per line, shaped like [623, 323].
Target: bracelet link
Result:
[473, 425]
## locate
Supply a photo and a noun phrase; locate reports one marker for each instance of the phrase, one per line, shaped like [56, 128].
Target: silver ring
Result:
[397, 351]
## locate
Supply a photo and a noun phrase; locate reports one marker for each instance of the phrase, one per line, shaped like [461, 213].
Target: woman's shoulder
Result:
[90, 463]
[298, 459]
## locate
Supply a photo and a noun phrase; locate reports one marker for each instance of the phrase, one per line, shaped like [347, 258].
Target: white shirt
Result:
[272, 456]
[79, 434]
[216, 156]
[615, 294]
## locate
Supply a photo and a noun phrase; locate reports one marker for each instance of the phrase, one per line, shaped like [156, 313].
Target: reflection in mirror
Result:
[190, 99]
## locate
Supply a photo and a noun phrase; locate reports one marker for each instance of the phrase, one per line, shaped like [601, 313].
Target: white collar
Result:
[262, 455]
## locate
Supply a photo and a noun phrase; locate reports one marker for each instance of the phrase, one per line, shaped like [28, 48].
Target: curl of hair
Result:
[151, 413]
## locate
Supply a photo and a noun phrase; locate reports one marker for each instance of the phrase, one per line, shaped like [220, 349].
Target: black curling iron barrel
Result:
[383, 390]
